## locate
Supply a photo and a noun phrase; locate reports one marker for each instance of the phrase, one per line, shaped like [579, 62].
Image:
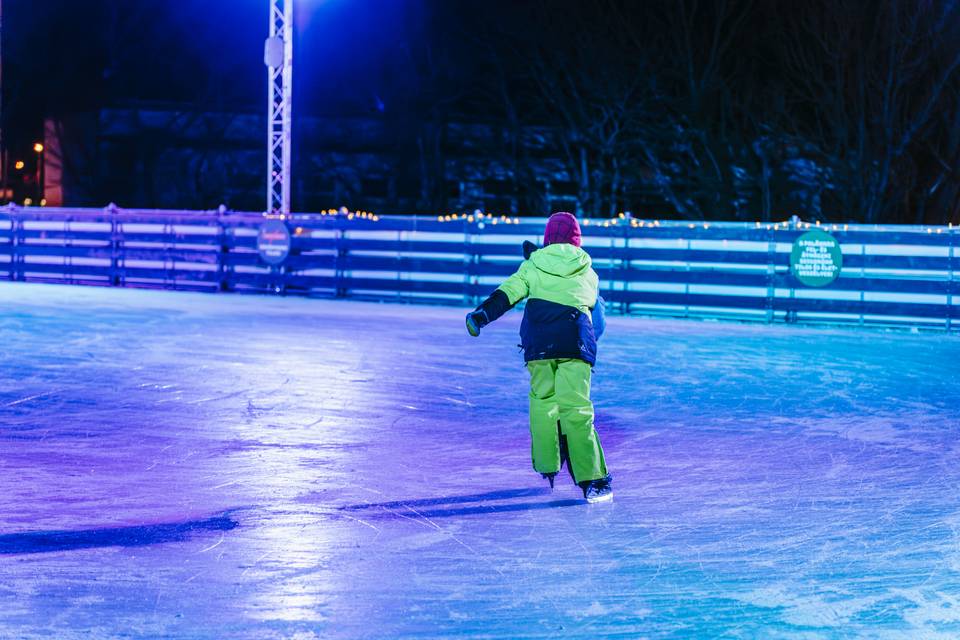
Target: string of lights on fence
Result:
[481, 217]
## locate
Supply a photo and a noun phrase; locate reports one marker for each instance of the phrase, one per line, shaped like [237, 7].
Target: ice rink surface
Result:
[178, 465]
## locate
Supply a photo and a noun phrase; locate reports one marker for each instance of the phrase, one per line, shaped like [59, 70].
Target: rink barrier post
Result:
[863, 275]
[223, 265]
[686, 285]
[952, 277]
[400, 243]
[111, 211]
[470, 259]
[16, 242]
[68, 259]
[770, 301]
[169, 258]
[624, 303]
[341, 260]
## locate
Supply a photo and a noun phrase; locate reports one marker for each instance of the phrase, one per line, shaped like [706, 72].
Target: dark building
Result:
[169, 157]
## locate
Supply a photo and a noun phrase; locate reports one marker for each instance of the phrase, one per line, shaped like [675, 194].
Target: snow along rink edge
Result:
[207, 466]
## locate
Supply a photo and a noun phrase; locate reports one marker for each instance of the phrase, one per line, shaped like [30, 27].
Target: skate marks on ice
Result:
[771, 482]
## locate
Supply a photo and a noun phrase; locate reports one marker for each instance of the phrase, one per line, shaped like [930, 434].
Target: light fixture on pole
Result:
[41, 173]
[278, 56]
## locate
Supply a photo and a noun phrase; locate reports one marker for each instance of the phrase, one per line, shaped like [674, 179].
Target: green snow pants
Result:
[560, 390]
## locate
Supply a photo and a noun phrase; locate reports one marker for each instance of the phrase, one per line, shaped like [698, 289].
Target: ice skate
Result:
[597, 490]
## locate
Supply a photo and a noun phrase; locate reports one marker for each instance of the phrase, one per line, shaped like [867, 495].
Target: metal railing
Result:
[891, 275]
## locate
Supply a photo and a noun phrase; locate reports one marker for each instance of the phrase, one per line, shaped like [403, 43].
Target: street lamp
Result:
[38, 148]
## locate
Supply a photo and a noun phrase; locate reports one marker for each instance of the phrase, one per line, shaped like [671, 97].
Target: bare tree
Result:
[876, 89]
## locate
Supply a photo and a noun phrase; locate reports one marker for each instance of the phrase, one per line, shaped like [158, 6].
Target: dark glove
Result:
[528, 249]
[476, 320]
[489, 310]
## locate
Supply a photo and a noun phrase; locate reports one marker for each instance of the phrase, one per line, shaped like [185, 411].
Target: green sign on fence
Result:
[816, 259]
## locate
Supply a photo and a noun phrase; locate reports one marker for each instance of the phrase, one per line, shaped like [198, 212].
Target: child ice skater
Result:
[559, 335]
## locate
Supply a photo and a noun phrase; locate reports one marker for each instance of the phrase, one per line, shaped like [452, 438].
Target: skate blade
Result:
[606, 498]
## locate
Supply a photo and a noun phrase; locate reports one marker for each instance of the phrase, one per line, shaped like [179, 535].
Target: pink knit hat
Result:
[562, 227]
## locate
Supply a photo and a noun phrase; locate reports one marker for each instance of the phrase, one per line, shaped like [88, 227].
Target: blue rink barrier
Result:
[891, 275]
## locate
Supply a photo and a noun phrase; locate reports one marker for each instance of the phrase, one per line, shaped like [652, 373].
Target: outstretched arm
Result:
[489, 310]
[513, 290]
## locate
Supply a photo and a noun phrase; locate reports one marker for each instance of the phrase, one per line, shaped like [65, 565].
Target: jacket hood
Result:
[563, 260]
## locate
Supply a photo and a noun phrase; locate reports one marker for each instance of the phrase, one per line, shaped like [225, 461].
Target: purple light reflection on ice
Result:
[329, 468]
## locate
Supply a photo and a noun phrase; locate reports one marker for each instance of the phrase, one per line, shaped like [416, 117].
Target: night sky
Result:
[63, 55]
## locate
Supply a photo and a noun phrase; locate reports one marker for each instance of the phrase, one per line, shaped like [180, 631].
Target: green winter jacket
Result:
[558, 273]
[561, 289]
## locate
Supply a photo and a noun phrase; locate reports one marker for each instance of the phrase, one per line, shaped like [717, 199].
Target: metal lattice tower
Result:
[278, 55]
